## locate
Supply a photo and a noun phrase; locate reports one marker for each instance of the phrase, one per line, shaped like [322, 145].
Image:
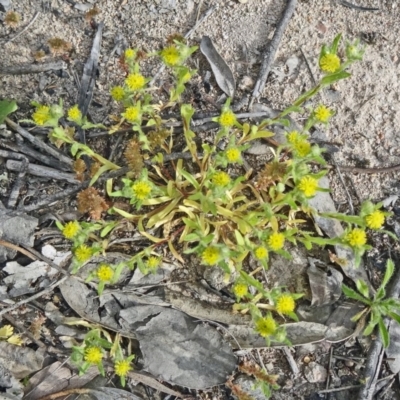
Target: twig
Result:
[360, 8]
[308, 67]
[290, 360]
[187, 36]
[271, 50]
[378, 170]
[38, 143]
[339, 389]
[13, 246]
[34, 297]
[328, 379]
[376, 352]
[41, 170]
[25, 29]
[24, 69]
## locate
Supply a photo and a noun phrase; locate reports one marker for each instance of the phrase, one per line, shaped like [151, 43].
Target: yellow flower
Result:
[285, 304]
[329, 62]
[293, 137]
[129, 53]
[132, 113]
[276, 241]
[266, 326]
[135, 81]
[227, 118]
[322, 113]
[141, 190]
[117, 93]
[170, 56]
[153, 262]
[302, 148]
[122, 367]
[105, 273]
[41, 115]
[15, 340]
[375, 220]
[356, 238]
[74, 114]
[221, 178]
[308, 185]
[261, 253]
[93, 355]
[233, 155]
[83, 253]
[71, 229]
[211, 255]
[6, 331]
[240, 290]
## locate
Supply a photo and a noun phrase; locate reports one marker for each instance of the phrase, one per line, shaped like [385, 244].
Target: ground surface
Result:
[366, 127]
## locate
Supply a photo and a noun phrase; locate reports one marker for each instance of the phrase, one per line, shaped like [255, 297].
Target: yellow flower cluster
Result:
[105, 273]
[141, 190]
[132, 113]
[135, 81]
[233, 155]
[266, 326]
[211, 255]
[153, 262]
[227, 119]
[276, 241]
[117, 93]
[301, 145]
[329, 63]
[240, 290]
[170, 56]
[322, 113]
[375, 220]
[308, 185]
[221, 178]
[71, 229]
[285, 304]
[74, 114]
[122, 367]
[83, 253]
[93, 355]
[261, 253]
[356, 238]
[129, 54]
[41, 115]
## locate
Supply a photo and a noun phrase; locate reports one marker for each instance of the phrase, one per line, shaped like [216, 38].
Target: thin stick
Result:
[378, 170]
[291, 360]
[338, 389]
[34, 297]
[271, 50]
[24, 69]
[25, 29]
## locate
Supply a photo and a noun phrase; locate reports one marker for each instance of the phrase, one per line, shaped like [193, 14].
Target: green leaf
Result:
[370, 328]
[7, 107]
[329, 79]
[384, 333]
[352, 294]
[335, 43]
[362, 287]
[394, 316]
[388, 273]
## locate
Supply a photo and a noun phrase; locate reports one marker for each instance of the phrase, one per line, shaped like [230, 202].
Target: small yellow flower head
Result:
[261, 253]
[15, 340]
[142, 190]
[276, 241]
[135, 81]
[293, 137]
[240, 290]
[129, 54]
[302, 148]
[322, 113]
[211, 255]
[221, 178]
[329, 62]
[170, 56]
[132, 113]
[83, 253]
[41, 115]
[227, 119]
[122, 367]
[93, 355]
[375, 220]
[6, 331]
[71, 229]
[266, 326]
[308, 185]
[153, 262]
[356, 238]
[117, 93]
[105, 273]
[233, 155]
[74, 114]
[285, 304]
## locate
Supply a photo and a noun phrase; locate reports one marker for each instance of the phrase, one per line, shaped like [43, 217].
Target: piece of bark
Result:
[24, 69]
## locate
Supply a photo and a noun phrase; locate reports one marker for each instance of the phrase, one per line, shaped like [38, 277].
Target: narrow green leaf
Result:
[388, 273]
[6, 107]
[384, 333]
[362, 287]
[329, 79]
[394, 316]
[335, 43]
[352, 294]
[369, 329]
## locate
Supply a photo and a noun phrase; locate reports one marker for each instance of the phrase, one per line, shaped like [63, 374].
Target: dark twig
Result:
[23, 30]
[376, 351]
[360, 8]
[378, 170]
[38, 143]
[271, 50]
[24, 69]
